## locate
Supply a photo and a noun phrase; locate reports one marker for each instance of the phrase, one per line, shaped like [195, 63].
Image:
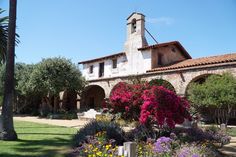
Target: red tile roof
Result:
[103, 58]
[176, 43]
[199, 62]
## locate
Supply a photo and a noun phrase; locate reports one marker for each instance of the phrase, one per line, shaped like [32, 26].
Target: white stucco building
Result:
[168, 61]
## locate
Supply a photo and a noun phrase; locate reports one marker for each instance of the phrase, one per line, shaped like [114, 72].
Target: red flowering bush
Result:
[127, 99]
[162, 106]
[148, 104]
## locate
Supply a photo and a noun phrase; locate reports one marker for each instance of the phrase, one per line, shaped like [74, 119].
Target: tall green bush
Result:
[217, 92]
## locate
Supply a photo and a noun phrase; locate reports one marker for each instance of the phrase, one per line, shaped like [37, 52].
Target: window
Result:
[101, 69]
[114, 63]
[133, 26]
[159, 62]
[91, 69]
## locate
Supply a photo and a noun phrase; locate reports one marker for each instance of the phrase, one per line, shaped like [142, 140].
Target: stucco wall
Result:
[180, 79]
[108, 70]
[170, 54]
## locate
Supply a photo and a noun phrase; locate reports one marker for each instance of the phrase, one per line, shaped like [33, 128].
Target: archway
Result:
[92, 97]
[199, 79]
[69, 100]
[161, 82]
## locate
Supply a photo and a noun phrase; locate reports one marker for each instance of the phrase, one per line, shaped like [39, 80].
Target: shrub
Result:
[163, 107]
[66, 115]
[113, 131]
[98, 145]
[127, 99]
[148, 104]
[141, 133]
[194, 150]
[200, 136]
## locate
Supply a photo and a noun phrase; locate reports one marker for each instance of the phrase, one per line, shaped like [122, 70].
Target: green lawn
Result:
[231, 131]
[38, 140]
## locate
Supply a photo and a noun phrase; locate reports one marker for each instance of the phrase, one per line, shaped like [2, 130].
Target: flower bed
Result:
[157, 110]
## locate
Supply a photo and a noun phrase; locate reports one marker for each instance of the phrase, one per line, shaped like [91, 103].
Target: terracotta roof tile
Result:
[198, 62]
[103, 58]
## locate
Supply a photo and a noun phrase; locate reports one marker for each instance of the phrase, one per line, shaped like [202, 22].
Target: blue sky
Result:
[86, 29]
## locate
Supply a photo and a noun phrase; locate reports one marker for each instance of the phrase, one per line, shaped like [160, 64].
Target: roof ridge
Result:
[233, 53]
[103, 57]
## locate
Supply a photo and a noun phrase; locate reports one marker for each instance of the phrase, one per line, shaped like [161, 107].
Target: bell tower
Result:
[135, 39]
[136, 29]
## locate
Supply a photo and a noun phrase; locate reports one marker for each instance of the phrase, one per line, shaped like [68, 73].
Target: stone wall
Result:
[180, 79]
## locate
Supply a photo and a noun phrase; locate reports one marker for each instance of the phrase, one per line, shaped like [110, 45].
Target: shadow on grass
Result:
[45, 134]
[38, 143]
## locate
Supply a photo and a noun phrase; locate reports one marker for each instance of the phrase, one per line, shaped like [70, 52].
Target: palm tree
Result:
[8, 132]
[3, 36]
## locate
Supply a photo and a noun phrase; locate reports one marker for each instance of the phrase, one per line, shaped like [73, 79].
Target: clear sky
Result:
[86, 29]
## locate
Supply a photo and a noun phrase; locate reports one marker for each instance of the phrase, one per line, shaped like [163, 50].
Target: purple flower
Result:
[163, 145]
[184, 153]
[195, 155]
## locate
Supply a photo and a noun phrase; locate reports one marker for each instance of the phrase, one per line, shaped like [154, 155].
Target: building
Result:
[167, 61]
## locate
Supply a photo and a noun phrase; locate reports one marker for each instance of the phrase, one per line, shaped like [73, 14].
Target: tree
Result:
[54, 75]
[218, 92]
[27, 101]
[2, 72]
[8, 132]
[3, 36]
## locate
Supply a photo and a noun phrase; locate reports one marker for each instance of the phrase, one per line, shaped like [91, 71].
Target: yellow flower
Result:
[99, 153]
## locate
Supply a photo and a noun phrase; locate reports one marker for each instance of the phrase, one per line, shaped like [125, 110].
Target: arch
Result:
[133, 26]
[117, 85]
[200, 79]
[69, 100]
[162, 82]
[92, 97]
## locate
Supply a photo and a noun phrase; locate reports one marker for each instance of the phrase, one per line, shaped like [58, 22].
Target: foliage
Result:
[231, 131]
[171, 147]
[163, 146]
[33, 83]
[163, 107]
[161, 82]
[149, 104]
[127, 99]
[195, 150]
[4, 36]
[27, 100]
[113, 131]
[53, 75]
[63, 115]
[98, 145]
[141, 133]
[199, 135]
[218, 91]
[38, 140]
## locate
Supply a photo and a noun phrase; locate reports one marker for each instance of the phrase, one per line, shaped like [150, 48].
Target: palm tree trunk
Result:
[8, 132]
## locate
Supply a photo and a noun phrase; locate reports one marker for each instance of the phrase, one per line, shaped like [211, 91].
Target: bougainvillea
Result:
[127, 99]
[162, 106]
[149, 104]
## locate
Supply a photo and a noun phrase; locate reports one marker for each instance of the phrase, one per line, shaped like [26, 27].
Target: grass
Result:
[231, 131]
[38, 140]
